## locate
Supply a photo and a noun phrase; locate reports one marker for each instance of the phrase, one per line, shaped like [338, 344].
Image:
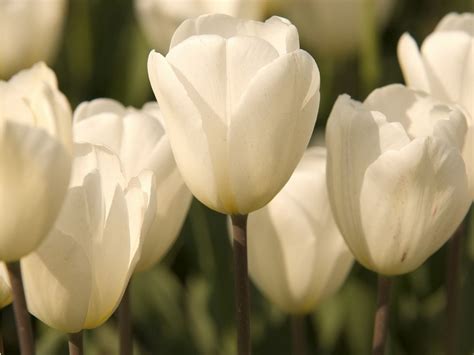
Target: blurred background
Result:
[185, 304]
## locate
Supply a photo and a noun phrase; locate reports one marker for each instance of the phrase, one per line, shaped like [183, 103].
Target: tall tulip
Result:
[160, 18]
[397, 181]
[138, 138]
[444, 67]
[76, 278]
[31, 31]
[239, 100]
[35, 163]
[297, 256]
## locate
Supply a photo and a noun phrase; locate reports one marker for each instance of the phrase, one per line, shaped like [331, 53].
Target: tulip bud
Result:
[5, 288]
[138, 138]
[30, 32]
[444, 67]
[396, 178]
[239, 99]
[76, 278]
[35, 143]
[297, 256]
[160, 18]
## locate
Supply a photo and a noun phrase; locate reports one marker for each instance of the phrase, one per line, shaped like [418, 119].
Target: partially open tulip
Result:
[239, 100]
[138, 138]
[5, 288]
[76, 278]
[297, 256]
[444, 67]
[396, 178]
[160, 18]
[35, 160]
[30, 32]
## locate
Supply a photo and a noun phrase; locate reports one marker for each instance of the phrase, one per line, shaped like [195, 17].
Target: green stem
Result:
[22, 317]
[242, 296]
[381, 315]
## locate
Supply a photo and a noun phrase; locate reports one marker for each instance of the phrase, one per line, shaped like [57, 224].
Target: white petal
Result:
[420, 114]
[97, 106]
[457, 22]
[449, 60]
[355, 138]
[411, 63]
[277, 31]
[34, 175]
[411, 203]
[57, 279]
[271, 128]
[185, 129]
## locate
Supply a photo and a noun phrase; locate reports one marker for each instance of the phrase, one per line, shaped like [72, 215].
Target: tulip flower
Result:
[397, 182]
[31, 31]
[240, 113]
[76, 278]
[297, 256]
[138, 138]
[335, 28]
[239, 100]
[160, 18]
[35, 160]
[444, 67]
[5, 288]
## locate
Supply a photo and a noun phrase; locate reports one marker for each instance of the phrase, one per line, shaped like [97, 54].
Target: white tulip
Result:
[5, 288]
[297, 256]
[444, 67]
[138, 138]
[335, 27]
[35, 160]
[396, 178]
[30, 32]
[160, 18]
[240, 100]
[76, 278]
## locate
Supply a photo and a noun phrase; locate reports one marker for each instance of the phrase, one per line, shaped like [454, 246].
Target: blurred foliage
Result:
[185, 304]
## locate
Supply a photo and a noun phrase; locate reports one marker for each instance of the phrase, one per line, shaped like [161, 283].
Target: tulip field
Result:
[236, 177]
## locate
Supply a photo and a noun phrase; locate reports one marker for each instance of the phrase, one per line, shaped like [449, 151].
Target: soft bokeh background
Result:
[185, 304]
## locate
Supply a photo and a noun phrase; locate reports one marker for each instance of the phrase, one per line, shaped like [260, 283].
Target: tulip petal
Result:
[457, 22]
[6, 296]
[282, 100]
[411, 63]
[277, 31]
[355, 138]
[420, 114]
[62, 264]
[34, 174]
[184, 127]
[449, 60]
[411, 203]
[95, 107]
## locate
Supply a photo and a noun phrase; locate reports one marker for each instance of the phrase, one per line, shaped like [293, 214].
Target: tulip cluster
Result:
[93, 196]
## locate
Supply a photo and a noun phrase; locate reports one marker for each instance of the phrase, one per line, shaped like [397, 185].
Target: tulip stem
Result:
[2, 348]
[452, 288]
[22, 317]
[381, 315]
[242, 295]
[298, 335]
[75, 343]
[125, 324]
